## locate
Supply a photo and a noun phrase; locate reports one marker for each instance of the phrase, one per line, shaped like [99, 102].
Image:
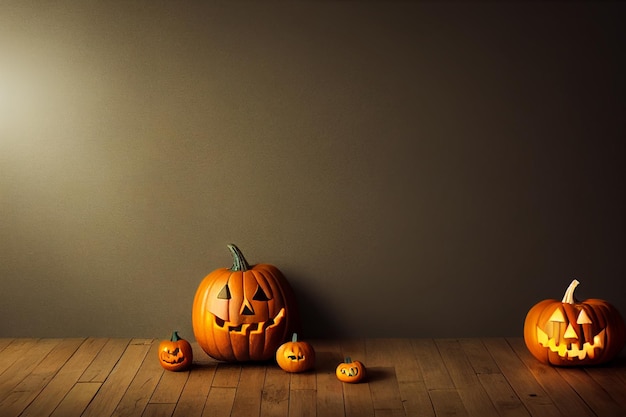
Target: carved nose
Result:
[247, 311]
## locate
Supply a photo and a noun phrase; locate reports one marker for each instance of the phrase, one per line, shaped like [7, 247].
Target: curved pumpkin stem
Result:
[175, 336]
[239, 262]
[569, 293]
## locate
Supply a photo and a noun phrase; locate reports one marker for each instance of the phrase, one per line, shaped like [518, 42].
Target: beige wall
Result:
[414, 169]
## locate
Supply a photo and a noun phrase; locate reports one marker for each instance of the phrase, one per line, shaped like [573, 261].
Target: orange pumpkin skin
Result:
[572, 333]
[175, 354]
[295, 356]
[350, 371]
[243, 313]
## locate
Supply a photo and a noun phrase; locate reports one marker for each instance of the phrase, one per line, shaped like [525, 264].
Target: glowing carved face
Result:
[574, 333]
[571, 339]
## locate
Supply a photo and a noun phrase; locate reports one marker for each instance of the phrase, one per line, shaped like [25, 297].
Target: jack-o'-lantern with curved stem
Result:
[573, 333]
[243, 313]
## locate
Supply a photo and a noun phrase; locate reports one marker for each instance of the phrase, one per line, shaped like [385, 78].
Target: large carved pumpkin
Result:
[243, 313]
[570, 333]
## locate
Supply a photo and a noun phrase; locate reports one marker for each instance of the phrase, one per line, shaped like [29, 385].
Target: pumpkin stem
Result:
[569, 293]
[239, 262]
[348, 359]
[175, 337]
[294, 338]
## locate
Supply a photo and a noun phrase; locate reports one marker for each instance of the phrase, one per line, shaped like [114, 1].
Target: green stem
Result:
[348, 359]
[239, 262]
[294, 338]
[175, 337]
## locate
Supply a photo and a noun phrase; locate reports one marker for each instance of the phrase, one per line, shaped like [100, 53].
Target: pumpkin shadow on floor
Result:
[379, 374]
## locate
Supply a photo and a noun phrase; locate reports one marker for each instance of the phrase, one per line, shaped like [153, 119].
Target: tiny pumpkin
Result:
[175, 354]
[573, 333]
[295, 356]
[350, 371]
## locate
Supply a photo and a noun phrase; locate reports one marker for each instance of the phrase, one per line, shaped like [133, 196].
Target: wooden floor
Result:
[416, 377]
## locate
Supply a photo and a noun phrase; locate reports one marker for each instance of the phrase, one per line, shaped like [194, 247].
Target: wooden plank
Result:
[406, 377]
[195, 392]
[249, 391]
[200, 357]
[329, 400]
[358, 400]
[159, 410]
[328, 354]
[381, 352]
[564, 397]
[24, 363]
[117, 382]
[478, 356]
[591, 392]
[502, 395]
[4, 342]
[612, 378]
[227, 375]
[357, 397]
[522, 381]
[77, 399]
[24, 393]
[141, 388]
[474, 397]
[102, 365]
[384, 388]
[415, 399]
[389, 413]
[432, 367]
[54, 392]
[12, 352]
[447, 402]
[220, 402]
[169, 388]
[303, 380]
[399, 353]
[302, 403]
[275, 396]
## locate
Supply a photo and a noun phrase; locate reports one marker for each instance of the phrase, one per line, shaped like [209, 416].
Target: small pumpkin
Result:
[175, 354]
[243, 313]
[350, 371]
[573, 333]
[295, 356]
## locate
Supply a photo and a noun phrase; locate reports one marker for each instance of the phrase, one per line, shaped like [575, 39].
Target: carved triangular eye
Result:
[557, 316]
[224, 293]
[570, 333]
[260, 295]
[583, 318]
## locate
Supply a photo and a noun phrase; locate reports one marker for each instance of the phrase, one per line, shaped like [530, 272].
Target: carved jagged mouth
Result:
[571, 350]
[172, 357]
[247, 328]
[350, 372]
